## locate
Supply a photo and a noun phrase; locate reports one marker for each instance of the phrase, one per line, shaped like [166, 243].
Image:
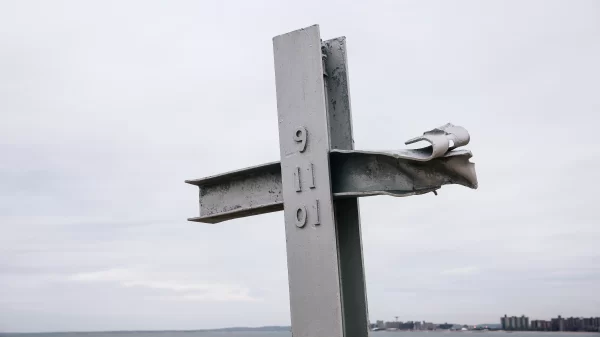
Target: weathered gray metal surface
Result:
[313, 264]
[367, 173]
[409, 171]
[251, 191]
[347, 214]
[354, 173]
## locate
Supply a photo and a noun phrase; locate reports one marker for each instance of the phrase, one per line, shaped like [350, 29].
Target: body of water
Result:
[288, 334]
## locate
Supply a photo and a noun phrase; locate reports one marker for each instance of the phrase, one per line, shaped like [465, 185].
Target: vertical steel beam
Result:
[312, 252]
[347, 215]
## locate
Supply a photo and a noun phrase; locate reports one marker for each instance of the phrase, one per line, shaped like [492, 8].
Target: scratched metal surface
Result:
[347, 213]
[312, 254]
[354, 174]
[240, 193]
[365, 173]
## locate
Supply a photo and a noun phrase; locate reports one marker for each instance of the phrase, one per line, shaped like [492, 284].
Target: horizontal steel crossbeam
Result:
[257, 190]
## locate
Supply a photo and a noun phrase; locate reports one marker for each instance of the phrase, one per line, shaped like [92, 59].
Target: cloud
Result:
[212, 297]
[100, 126]
[185, 291]
[470, 270]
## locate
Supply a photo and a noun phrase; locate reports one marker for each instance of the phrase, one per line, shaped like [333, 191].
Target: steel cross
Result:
[319, 179]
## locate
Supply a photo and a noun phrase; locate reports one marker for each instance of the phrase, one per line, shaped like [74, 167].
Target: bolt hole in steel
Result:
[300, 216]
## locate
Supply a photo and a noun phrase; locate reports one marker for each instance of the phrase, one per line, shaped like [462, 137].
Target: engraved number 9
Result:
[300, 138]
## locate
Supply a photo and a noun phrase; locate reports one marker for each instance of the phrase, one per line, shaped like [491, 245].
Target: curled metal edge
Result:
[442, 139]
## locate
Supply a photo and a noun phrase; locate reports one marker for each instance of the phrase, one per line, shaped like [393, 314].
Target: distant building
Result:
[514, 323]
[557, 324]
[410, 325]
[392, 325]
[591, 324]
[445, 326]
[428, 326]
[540, 325]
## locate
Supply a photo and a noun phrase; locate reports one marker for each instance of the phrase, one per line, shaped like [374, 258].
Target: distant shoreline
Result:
[275, 329]
[231, 329]
[489, 331]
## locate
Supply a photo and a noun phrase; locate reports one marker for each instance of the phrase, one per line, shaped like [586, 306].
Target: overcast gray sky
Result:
[107, 106]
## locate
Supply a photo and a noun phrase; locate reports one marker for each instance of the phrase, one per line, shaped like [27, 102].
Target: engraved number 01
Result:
[301, 215]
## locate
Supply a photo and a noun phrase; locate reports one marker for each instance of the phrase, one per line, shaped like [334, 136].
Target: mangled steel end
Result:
[408, 171]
